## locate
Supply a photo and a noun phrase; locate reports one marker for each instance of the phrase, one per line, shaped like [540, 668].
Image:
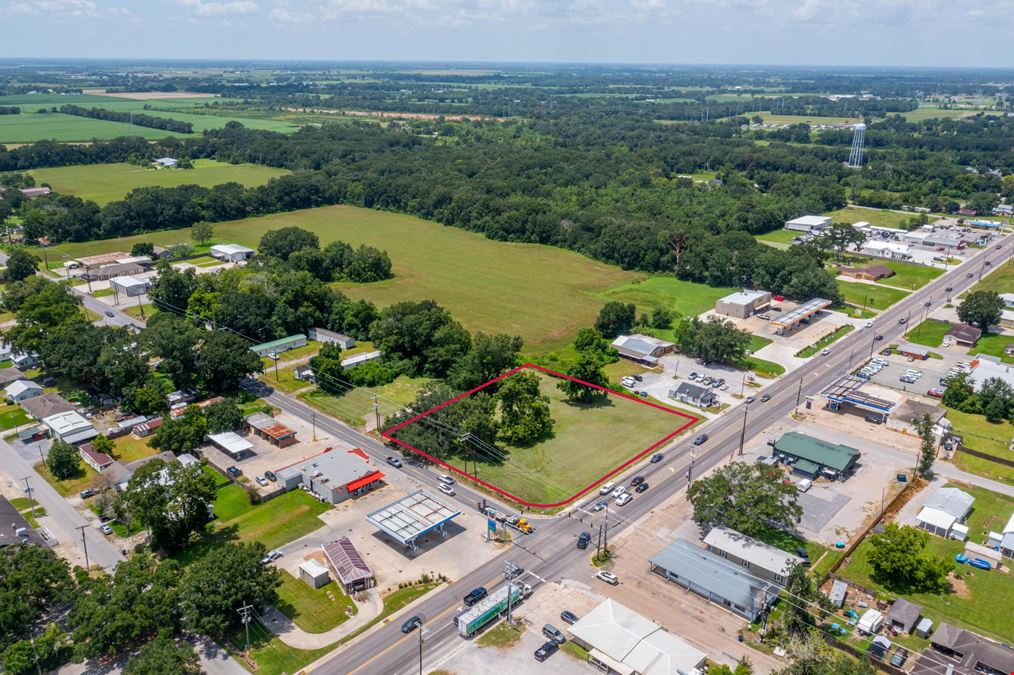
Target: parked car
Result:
[85, 494]
[636, 480]
[568, 617]
[545, 651]
[261, 480]
[694, 375]
[394, 461]
[608, 577]
[624, 499]
[642, 487]
[637, 377]
[804, 556]
[233, 471]
[657, 457]
[583, 540]
[105, 529]
[935, 393]
[553, 633]
[474, 596]
[411, 624]
[270, 475]
[607, 488]
[804, 484]
[271, 556]
[701, 439]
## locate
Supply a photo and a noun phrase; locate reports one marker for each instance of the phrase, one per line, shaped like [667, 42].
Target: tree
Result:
[927, 446]
[840, 237]
[900, 562]
[590, 340]
[587, 369]
[369, 264]
[811, 655]
[524, 409]
[171, 500]
[202, 231]
[616, 318]
[959, 389]
[174, 341]
[742, 668]
[164, 656]
[489, 357]
[982, 309]
[284, 242]
[223, 416]
[171, 289]
[420, 337]
[63, 460]
[33, 580]
[328, 370]
[748, 498]
[216, 586]
[662, 318]
[143, 248]
[713, 340]
[20, 265]
[224, 359]
[806, 600]
[181, 434]
[41, 653]
[997, 399]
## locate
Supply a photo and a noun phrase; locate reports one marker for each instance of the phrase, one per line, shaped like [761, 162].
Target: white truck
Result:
[493, 605]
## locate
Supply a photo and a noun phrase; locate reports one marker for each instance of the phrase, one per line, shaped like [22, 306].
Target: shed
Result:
[314, 574]
[903, 615]
[839, 589]
[231, 443]
[352, 571]
[924, 628]
[992, 556]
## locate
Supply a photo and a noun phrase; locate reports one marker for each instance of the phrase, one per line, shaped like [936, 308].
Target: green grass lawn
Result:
[501, 636]
[770, 118]
[686, 297]
[104, 183]
[355, 405]
[143, 311]
[1000, 280]
[763, 368]
[541, 293]
[315, 610]
[31, 127]
[986, 601]
[12, 416]
[978, 434]
[877, 217]
[830, 338]
[128, 448]
[71, 486]
[907, 276]
[100, 292]
[930, 333]
[869, 296]
[588, 441]
[778, 238]
[993, 344]
[758, 342]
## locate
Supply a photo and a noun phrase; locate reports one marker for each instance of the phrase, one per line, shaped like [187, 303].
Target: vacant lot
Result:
[104, 183]
[994, 344]
[587, 442]
[541, 293]
[315, 610]
[869, 296]
[999, 281]
[907, 276]
[994, 439]
[778, 238]
[980, 601]
[878, 217]
[929, 333]
[686, 297]
[356, 405]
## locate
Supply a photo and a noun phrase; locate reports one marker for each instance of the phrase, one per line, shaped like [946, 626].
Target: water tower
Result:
[858, 136]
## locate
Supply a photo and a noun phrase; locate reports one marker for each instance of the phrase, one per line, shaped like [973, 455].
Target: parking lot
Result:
[932, 370]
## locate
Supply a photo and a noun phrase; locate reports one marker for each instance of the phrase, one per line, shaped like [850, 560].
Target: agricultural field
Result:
[929, 111]
[103, 183]
[813, 120]
[31, 127]
[587, 442]
[869, 296]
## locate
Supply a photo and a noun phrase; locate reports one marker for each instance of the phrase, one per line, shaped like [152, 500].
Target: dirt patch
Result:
[959, 586]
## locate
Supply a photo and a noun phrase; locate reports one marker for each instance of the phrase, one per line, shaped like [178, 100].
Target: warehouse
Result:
[128, 286]
[231, 252]
[813, 457]
[743, 304]
[643, 349]
[70, 427]
[813, 224]
[231, 444]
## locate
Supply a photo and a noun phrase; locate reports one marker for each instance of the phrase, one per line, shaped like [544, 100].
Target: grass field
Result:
[978, 434]
[315, 610]
[12, 416]
[823, 342]
[104, 183]
[869, 296]
[70, 486]
[1000, 280]
[587, 442]
[878, 217]
[685, 297]
[28, 128]
[982, 601]
[541, 293]
[356, 405]
[993, 344]
[778, 238]
[813, 120]
[929, 111]
[929, 333]
[907, 276]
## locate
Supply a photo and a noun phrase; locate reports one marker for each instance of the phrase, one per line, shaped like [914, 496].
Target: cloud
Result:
[60, 8]
[203, 9]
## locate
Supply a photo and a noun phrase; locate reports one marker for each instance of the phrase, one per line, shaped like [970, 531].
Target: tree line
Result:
[140, 119]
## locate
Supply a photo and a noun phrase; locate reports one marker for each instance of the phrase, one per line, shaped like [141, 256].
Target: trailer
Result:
[490, 607]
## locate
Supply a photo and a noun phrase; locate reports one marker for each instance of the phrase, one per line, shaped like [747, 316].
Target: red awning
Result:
[363, 482]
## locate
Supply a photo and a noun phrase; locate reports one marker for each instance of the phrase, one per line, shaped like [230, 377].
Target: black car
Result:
[701, 439]
[394, 461]
[270, 475]
[948, 289]
[583, 539]
[765, 398]
[232, 471]
[110, 315]
[546, 650]
[969, 275]
[804, 554]
[636, 480]
[903, 320]
[411, 624]
[474, 596]
[927, 303]
[657, 457]
[568, 617]
[641, 487]
[878, 338]
[637, 377]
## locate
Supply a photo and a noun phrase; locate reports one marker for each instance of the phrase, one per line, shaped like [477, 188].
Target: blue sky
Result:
[844, 32]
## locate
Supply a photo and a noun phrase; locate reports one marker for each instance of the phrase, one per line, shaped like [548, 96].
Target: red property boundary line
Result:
[388, 434]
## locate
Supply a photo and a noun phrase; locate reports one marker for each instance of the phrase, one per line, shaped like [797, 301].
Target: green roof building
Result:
[812, 457]
[281, 345]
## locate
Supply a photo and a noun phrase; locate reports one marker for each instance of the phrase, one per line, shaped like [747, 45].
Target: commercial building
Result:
[331, 337]
[910, 350]
[620, 640]
[14, 529]
[695, 395]
[964, 653]
[232, 252]
[813, 457]
[280, 345]
[813, 224]
[965, 334]
[47, 405]
[743, 304]
[334, 475]
[944, 513]
[231, 443]
[804, 313]
[412, 516]
[894, 250]
[847, 391]
[759, 558]
[100, 461]
[113, 270]
[314, 574]
[18, 391]
[715, 578]
[70, 427]
[130, 287]
[271, 430]
[353, 573]
[985, 367]
[643, 349]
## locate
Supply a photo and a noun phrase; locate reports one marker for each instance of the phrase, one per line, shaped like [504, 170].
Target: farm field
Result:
[978, 602]
[541, 293]
[813, 120]
[587, 442]
[877, 217]
[869, 295]
[103, 183]
[31, 127]
[925, 112]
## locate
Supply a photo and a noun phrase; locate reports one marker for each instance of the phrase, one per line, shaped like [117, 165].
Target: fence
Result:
[984, 455]
[881, 666]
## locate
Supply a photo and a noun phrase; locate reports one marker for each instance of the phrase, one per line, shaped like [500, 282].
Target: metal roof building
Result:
[761, 559]
[270, 429]
[280, 345]
[70, 427]
[944, 511]
[813, 456]
[231, 443]
[352, 571]
[412, 516]
[847, 390]
[805, 311]
[642, 348]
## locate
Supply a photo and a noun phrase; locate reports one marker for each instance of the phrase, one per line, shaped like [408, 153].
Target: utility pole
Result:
[376, 410]
[605, 535]
[313, 422]
[28, 491]
[84, 544]
[244, 613]
[742, 434]
[853, 353]
[509, 573]
[421, 631]
[140, 307]
[799, 395]
[690, 469]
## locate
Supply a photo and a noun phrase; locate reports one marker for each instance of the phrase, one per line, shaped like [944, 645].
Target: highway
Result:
[551, 551]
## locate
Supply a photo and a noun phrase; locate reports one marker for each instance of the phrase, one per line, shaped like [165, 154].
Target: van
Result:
[445, 479]
[553, 633]
[804, 484]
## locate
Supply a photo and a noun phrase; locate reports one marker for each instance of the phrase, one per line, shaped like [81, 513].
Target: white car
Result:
[619, 492]
[825, 351]
[447, 489]
[623, 499]
[271, 556]
[607, 488]
[869, 324]
[804, 484]
[608, 577]
[445, 479]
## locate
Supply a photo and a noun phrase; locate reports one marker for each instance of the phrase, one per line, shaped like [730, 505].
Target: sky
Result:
[794, 32]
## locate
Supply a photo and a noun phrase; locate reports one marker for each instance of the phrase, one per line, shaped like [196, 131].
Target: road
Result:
[551, 552]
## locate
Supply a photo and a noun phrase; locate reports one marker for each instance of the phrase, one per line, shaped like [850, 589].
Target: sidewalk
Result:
[294, 636]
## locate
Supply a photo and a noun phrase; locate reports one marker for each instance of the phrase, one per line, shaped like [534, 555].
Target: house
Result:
[1003, 210]
[894, 250]
[165, 162]
[18, 391]
[965, 334]
[161, 252]
[812, 457]
[33, 192]
[944, 512]
[762, 560]
[314, 574]
[331, 337]
[333, 475]
[46, 405]
[70, 427]
[620, 640]
[24, 361]
[353, 573]
[99, 461]
[743, 304]
[129, 287]
[14, 529]
[687, 392]
[275, 347]
[147, 428]
[715, 578]
[871, 273]
[303, 373]
[112, 271]
[8, 375]
[920, 353]
[964, 653]
[232, 252]
[361, 358]
[1004, 540]
[179, 409]
[1007, 318]
[812, 224]
[985, 367]
[643, 349]
[231, 443]
[271, 430]
[903, 615]
[1008, 300]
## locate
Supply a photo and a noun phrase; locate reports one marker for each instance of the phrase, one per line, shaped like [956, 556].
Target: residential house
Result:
[303, 373]
[99, 461]
[965, 334]
[361, 358]
[903, 615]
[331, 337]
[41, 407]
[275, 347]
[688, 392]
[8, 375]
[1004, 540]
[945, 511]
[24, 361]
[643, 349]
[762, 560]
[959, 652]
[18, 391]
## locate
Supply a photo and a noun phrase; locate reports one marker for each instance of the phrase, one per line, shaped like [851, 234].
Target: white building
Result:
[231, 443]
[20, 390]
[361, 358]
[70, 427]
[813, 224]
[314, 574]
[987, 367]
[1008, 300]
[886, 249]
[232, 252]
[130, 287]
[165, 162]
[743, 303]
[332, 337]
[761, 559]
[944, 513]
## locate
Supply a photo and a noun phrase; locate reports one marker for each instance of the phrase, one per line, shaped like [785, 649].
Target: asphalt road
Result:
[551, 552]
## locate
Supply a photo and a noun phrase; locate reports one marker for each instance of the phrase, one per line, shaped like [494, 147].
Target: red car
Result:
[935, 393]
